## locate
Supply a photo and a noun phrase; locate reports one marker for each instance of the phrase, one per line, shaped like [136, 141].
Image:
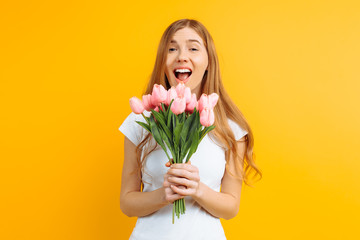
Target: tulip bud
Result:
[178, 106]
[203, 102]
[136, 105]
[207, 117]
[171, 94]
[183, 92]
[213, 98]
[192, 104]
[147, 102]
[187, 94]
[159, 95]
[180, 88]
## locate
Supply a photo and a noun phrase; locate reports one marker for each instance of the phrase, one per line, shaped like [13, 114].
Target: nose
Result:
[182, 56]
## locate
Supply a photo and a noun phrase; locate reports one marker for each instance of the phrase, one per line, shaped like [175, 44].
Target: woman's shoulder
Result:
[131, 129]
[238, 131]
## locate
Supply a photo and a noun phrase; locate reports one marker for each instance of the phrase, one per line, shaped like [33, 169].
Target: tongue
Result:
[183, 76]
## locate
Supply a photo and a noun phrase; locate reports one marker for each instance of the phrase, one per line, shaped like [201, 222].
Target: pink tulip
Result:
[159, 95]
[213, 98]
[171, 94]
[136, 105]
[192, 104]
[147, 102]
[187, 94]
[178, 106]
[207, 117]
[183, 92]
[156, 109]
[203, 102]
[180, 88]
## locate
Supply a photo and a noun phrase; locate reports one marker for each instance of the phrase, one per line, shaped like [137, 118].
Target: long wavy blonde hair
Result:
[225, 108]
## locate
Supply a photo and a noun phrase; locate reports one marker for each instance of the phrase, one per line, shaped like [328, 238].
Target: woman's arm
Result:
[224, 204]
[133, 202]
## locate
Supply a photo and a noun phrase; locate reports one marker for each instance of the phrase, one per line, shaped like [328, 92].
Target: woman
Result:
[224, 158]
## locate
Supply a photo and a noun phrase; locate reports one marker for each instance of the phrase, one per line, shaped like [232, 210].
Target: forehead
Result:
[186, 35]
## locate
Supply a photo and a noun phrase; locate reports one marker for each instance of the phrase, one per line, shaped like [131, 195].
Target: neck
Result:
[197, 92]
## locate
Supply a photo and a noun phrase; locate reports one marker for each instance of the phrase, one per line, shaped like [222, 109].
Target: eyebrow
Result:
[189, 40]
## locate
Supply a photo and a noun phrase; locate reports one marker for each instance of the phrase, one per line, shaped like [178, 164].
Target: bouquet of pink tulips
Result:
[178, 121]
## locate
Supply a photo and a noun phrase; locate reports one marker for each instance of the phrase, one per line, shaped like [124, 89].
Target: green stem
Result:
[181, 206]
[173, 212]
[178, 209]
[184, 206]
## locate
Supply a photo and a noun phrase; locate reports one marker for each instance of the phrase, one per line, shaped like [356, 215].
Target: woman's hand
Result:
[170, 195]
[182, 179]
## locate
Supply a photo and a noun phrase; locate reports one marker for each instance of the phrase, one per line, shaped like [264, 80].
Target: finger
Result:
[171, 196]
[184, 174]
[183, 192]
[188, 167]
[166, 184]
[182, 181]
[178, 173]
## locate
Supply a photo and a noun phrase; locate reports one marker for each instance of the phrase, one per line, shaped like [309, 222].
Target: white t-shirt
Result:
[196, 223]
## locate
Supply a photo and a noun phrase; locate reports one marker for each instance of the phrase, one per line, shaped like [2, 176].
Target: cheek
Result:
[168, 68]
[202, 62]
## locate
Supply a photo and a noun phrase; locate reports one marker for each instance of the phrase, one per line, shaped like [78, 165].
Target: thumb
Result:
[189, 162]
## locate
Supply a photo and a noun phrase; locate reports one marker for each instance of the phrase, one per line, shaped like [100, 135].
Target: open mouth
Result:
[182, 74]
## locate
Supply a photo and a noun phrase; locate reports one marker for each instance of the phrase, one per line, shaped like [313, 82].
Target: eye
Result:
[172, 49]
[194, 49]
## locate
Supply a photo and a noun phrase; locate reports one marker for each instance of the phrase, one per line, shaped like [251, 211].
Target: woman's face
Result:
[187, 59]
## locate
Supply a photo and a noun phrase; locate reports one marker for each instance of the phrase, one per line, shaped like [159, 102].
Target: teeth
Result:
[182, 70]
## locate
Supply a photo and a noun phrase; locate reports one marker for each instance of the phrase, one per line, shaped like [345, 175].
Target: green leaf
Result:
[181, 117]
[157, 135]
[177, 132]
[146, 118]
[205, 131]
[193, 147]
[144, 125]
[174, 120]
[167, 140]
[161, 121]
[186, 146]
[155, 131]
[185, 150]
[195, 126]
[164, 112]
[158, 116]
[168, 109]
[185, 131]
[169, 118]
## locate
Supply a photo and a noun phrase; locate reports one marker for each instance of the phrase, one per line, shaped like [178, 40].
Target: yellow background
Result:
[68, 69]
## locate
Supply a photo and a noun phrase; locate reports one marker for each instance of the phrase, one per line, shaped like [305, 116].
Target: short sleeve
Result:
[131, 129]
[237, 130]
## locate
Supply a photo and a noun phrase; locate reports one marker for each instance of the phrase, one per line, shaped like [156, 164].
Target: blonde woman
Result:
[211, 183]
